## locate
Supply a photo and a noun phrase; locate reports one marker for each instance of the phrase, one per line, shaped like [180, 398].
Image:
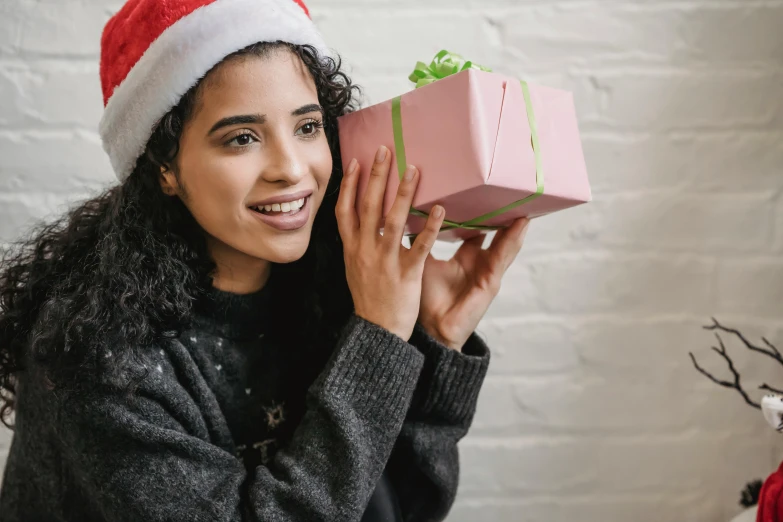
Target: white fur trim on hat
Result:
[181, 56]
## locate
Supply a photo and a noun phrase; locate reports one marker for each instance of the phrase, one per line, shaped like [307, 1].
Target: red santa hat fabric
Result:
[154, 51]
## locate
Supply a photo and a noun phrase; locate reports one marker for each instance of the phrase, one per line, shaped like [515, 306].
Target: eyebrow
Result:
[260, 119]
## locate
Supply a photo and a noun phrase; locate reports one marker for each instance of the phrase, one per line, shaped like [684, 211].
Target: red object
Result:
[770, 507]
[137, 24]
[154, 51]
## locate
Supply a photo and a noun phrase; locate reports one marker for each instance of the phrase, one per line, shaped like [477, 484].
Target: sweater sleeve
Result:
[424, 465]
[138, 462]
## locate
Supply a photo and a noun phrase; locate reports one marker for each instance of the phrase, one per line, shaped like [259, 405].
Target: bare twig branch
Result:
[772, 352]
[767, 387]
[771, 346]
[727, 384]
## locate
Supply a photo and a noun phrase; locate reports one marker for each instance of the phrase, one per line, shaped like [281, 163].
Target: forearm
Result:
[425, 463]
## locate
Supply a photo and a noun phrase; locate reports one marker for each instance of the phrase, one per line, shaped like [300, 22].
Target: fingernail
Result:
[410, 172]
[437, 211]
[381, 155]
[352, 166]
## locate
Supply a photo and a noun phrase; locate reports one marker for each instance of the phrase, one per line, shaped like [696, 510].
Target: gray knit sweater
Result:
[223, 430]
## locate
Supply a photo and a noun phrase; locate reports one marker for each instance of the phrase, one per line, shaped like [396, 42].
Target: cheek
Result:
[216, 185]
[322, 167]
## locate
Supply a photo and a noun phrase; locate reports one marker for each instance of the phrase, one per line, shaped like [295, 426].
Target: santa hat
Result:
[153, 52]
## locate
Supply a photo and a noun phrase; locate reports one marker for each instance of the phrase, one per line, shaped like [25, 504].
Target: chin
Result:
[283, 250]
[285, 258]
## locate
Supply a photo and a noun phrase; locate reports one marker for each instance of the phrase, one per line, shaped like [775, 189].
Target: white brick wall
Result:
[591, 411]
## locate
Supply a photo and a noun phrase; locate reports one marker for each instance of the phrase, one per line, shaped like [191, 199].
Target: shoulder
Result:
[163, 372]
[157, 385]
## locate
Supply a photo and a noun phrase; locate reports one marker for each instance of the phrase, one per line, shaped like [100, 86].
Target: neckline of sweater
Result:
[232, 315]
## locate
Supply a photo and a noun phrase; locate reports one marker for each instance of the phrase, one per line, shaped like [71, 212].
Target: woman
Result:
[222, 336]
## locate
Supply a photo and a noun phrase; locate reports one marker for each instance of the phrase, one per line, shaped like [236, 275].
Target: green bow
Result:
[444, 64]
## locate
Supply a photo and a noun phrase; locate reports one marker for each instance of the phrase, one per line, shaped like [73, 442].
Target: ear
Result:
[168, 181]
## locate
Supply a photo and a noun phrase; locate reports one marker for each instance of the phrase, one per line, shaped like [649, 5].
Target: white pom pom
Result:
[772, 408]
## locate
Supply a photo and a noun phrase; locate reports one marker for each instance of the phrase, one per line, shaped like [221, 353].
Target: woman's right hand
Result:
[384, 276]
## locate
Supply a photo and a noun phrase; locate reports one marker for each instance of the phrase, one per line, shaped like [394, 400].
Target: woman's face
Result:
[255, 135]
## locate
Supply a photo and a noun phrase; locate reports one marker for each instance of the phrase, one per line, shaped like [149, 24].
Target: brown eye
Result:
[241, 140]
[310, 129]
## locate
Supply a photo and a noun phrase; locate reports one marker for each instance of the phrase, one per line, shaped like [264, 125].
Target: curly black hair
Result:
[121, 271]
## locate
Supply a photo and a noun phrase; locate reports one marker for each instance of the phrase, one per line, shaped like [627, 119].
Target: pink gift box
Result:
[470, 137]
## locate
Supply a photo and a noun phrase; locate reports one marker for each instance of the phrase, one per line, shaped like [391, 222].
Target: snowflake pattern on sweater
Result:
[262, 451]
[252, 380]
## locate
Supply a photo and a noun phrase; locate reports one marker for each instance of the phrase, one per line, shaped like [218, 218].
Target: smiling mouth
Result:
[294, 207]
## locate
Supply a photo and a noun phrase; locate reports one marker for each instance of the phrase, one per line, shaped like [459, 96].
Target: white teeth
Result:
[294, 205]
[283, 207]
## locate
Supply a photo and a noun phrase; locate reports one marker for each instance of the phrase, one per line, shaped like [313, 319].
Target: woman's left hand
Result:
[457, 293]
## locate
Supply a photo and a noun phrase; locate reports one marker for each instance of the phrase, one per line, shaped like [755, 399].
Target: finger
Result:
[371, 206]
[507, 243]
[394, 226]
[470, 247]
[426, 238]
[473, 243]
[345, 209]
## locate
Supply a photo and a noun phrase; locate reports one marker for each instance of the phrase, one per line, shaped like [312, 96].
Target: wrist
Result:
[442, 339]
[401, 332]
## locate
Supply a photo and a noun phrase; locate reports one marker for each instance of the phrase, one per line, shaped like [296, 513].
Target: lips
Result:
[282, 198]
[285, 221]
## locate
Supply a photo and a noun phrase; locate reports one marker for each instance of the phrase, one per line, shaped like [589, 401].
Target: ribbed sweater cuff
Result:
[375, 371]
[450, 381]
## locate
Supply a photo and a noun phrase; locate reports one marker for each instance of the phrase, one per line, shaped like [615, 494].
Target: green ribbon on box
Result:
[445, 64]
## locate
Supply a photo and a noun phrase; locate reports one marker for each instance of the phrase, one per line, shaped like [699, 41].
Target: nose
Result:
[285, 162]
